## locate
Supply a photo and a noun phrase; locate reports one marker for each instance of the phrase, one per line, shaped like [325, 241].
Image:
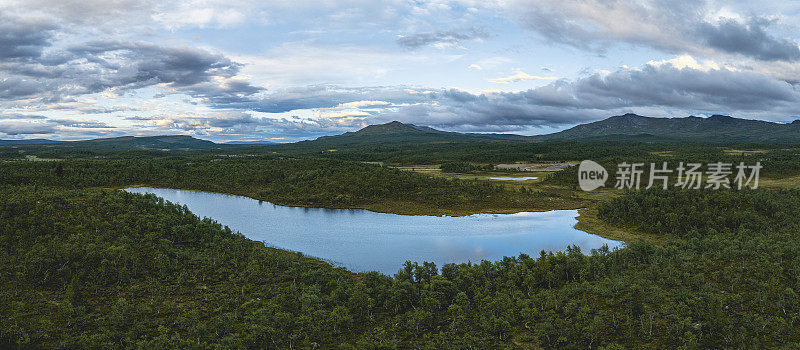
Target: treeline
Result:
[475, 152]
[689, 213]
[464, 167]
[550, 151]
[288, 181]
[109, 269]
[779, 159]
[774, 164]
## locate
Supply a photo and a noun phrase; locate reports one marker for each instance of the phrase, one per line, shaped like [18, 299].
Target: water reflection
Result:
[362, 240]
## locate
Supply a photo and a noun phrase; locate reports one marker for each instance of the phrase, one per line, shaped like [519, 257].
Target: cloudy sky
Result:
[289, 70]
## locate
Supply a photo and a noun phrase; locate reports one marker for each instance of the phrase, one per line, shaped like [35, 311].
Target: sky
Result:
[285, 71]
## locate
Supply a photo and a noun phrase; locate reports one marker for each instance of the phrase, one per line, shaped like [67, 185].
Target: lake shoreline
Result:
[363, 240]
[387, 207]
[586, 221]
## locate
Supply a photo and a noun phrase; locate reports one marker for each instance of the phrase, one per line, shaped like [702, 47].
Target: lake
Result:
[362, 240]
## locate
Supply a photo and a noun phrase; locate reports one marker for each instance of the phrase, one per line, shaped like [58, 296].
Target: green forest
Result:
[289, 181]
[84, 265]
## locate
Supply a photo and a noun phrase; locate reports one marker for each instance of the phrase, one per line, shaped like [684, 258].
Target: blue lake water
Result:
[362, 240]
[512, 178]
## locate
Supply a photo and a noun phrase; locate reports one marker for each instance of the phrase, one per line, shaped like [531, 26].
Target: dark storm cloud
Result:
[138, 64]
[599, 94]
[750, 40]
[446, 107]
[97, 66]
[231, 91]
[672, 26]
[319, 96]
[21, 124]
[138, 118]
[655, 86]
[457, 109]
[22, 38]
[13, 127]
[86, 124]
[452, 37]
[560, 29]
[238, 119]
[668, 86]
[21, 116]
[242, 123]
[18, 87]
[284, 101]
[598, 25]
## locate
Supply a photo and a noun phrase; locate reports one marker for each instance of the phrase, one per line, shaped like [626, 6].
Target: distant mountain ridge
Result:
[627, 127]
[394, 127]
[27, 142]
[162, 141]
[716, 128]
[123, 143]
[250, 143]
[166, 142]
[390, 133]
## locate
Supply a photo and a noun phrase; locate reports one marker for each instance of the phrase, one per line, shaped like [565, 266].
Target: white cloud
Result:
[303, 63]
[518, 76]
[362, 104]
[201, 17]
[494, 62]
[687, 61]
[346, 119]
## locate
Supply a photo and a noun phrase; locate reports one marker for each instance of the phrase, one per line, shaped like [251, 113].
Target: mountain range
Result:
[27, 142]
[124, 143]
[250, 143]
[628, 127]
[716, 128]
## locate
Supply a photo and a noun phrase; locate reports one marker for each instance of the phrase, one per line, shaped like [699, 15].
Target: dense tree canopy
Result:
[100, 268]
[85, 266]
[288, 181]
